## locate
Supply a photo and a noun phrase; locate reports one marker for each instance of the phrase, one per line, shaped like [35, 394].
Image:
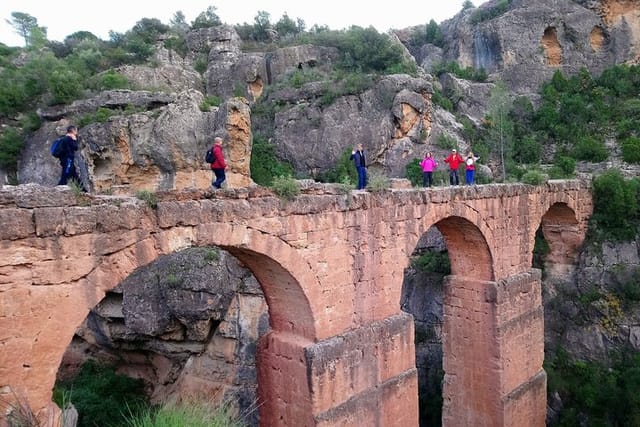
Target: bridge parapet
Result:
[330, 264]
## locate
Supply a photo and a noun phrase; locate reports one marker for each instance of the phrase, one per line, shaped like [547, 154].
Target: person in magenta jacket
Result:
[428, 165]
[219, 165]
[454, 160]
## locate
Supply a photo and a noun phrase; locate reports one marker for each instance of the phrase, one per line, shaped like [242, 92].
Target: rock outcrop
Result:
[188, 325]
[531, 40]
[393, 120]
[159, 146]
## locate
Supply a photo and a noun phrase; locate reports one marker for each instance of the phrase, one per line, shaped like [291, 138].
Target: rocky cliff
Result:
[527, 43]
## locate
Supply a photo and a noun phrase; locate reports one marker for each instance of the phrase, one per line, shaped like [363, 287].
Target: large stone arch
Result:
[468, 320]
[279, 269]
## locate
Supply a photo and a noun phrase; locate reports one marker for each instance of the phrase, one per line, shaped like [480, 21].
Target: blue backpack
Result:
[57, 147]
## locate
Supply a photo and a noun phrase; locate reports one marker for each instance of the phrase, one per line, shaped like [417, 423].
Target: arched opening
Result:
[452, 253]
[551, 47]
[188, 325]
[191, 325]
[561, 231]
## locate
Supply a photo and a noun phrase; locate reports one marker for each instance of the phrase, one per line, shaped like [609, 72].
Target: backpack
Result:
[210, 157]
[57, 147]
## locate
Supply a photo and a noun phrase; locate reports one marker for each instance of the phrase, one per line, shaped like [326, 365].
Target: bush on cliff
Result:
[264, 164]
[101, 396]
[615, 205]
[594, 394]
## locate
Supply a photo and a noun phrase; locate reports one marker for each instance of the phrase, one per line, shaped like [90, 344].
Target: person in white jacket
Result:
[470, 167]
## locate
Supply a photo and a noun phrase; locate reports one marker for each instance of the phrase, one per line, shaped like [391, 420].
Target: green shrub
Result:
[527, 150]
[540, 250]
[65, 86]
[446, 142]
[11, 143]
[210, 101]
[147, 196]
[563, 167]
[591, 150]
[101, 396]
[413, 172]
[615, 205]
[468, 73]
[285, 187]
[533, 177]
[343, 171]
[439, 99]
[101, 115]
[631, 150]
[378, 182]
[300, 77]
[201, 64]
[433, 262]
[596, 394]
[488, 13]
[441, 177]
[186, 415]
[264, 164]
[112, 80]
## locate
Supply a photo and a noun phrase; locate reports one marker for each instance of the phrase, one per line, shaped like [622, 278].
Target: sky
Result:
[99, 17]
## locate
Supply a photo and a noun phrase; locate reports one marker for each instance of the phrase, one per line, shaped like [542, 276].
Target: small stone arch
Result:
[286, 278]
[564, 235]
[467, 315]
[469, 252]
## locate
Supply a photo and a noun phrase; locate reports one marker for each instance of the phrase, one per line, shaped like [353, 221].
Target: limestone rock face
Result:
[392, 120]
[231, 72]
[602, 293]
[529, 42]
[234, 121]
[188, 325]
[159, 148]
[474, 97]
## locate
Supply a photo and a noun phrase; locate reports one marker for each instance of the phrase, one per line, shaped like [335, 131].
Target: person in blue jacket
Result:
[69, 147]
[360, 163]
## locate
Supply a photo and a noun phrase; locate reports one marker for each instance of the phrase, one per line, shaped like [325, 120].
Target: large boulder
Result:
[392, 120]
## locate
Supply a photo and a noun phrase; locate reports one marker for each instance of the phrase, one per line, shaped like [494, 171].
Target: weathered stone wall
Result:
[330, 265]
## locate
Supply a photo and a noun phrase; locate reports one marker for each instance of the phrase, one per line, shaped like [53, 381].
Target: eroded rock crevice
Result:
[552, 48]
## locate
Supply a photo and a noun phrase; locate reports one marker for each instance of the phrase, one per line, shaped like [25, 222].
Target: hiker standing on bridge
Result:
[219, 165]
[428, 165]
[68, 148]
[470, 168]
[360, 163]
[454, 160]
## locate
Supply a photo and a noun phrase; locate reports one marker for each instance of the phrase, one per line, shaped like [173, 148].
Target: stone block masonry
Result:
[340, 350]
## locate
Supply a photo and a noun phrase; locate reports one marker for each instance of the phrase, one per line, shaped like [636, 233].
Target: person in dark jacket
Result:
[360, 163]
[219, 165]
[67, 158]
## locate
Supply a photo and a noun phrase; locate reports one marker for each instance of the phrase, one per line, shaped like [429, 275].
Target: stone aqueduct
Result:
[340, 350]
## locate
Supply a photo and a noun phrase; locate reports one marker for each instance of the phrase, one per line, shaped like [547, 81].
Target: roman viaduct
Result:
[340, 351]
